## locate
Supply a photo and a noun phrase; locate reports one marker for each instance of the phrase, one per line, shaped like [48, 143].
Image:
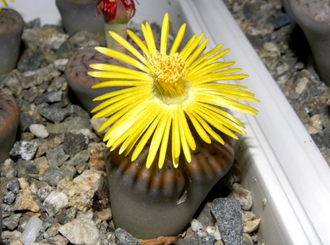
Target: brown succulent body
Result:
[11, 29]
[164, 199]
[9, 120]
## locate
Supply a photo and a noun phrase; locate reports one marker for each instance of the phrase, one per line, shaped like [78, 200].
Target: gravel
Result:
[284, 50]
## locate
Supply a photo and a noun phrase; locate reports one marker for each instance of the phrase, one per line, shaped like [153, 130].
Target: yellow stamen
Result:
[168, 74]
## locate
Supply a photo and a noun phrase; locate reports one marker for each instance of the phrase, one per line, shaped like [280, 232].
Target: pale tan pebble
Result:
[26, 136]
[24, 201]
[317, 122]
[91, 177]
[42, 164]
[105, 214]
[251, 225]
[80, 196]
[34, 188]
[16, 242]
[11, 235]
[97, 148]
[312, 130]
[97, 162]
[218, 243]
[23, 183]
[248, 215]
[247, 239]
[88, 133]
[271, 47]
[96, 124]
[301, 85]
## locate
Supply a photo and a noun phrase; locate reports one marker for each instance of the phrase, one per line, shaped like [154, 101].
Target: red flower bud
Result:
[109, 9]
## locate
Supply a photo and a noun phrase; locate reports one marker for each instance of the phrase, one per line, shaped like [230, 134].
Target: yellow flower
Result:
[4, 2]
[164, 92]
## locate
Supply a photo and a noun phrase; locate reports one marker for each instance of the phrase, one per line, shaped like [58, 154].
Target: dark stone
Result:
[321, 140]
[9, 198]
[47, 221]
[26, 121]
[73, 143]
[11, 222]
[228, 214]
[49, 97]
[31, 60]
[280, 21]
[54, 175]
[27, 168]
[207, 240]
[54, 113]
[124, 238]
[247, 11]
[205, 216]
[189, 241]
[14, 186]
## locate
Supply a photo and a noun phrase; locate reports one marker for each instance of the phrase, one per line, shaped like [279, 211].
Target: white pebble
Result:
[39, 130]
[196, 225]
[31, 231]
[301, 85]
[214, 231]
[55, 202]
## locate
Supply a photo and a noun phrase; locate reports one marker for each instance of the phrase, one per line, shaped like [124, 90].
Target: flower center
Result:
[168, 75]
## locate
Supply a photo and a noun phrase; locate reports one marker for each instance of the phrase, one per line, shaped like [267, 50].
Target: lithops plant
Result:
[78, 65]
[11, 29]
[173, 103]
[9, 121]
[78, 15]
[314, 19]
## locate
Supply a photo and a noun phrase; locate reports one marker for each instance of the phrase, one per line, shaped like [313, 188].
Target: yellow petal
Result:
[201, 132]
[185, 48]
[178, 39]
[208, 128]
[210, 60]
[207, 55]
[185, 54]
[116, 93]
[123, 57]
[139, 42]
[114, 75]
[123, 83]
[130, 96]
[149, 38]
[187, 132]
[4, 2]
[197, 52]
[130, 48]
[226, 103]
[222, 113]
[114, 68]
[175, 137]
[212, 121]
[163, 147]
[185, 147]
[156, 139]
[195, 73]
[145, 138]
[164, 34]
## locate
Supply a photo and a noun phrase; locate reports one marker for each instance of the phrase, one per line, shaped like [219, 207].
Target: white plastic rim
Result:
[281, 165]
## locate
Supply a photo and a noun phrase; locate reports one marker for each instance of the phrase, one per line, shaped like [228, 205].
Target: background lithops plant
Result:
[11, 29]
[173, 103]
[9, 120]
[78, 15]
[78, 65]
[314, 19]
